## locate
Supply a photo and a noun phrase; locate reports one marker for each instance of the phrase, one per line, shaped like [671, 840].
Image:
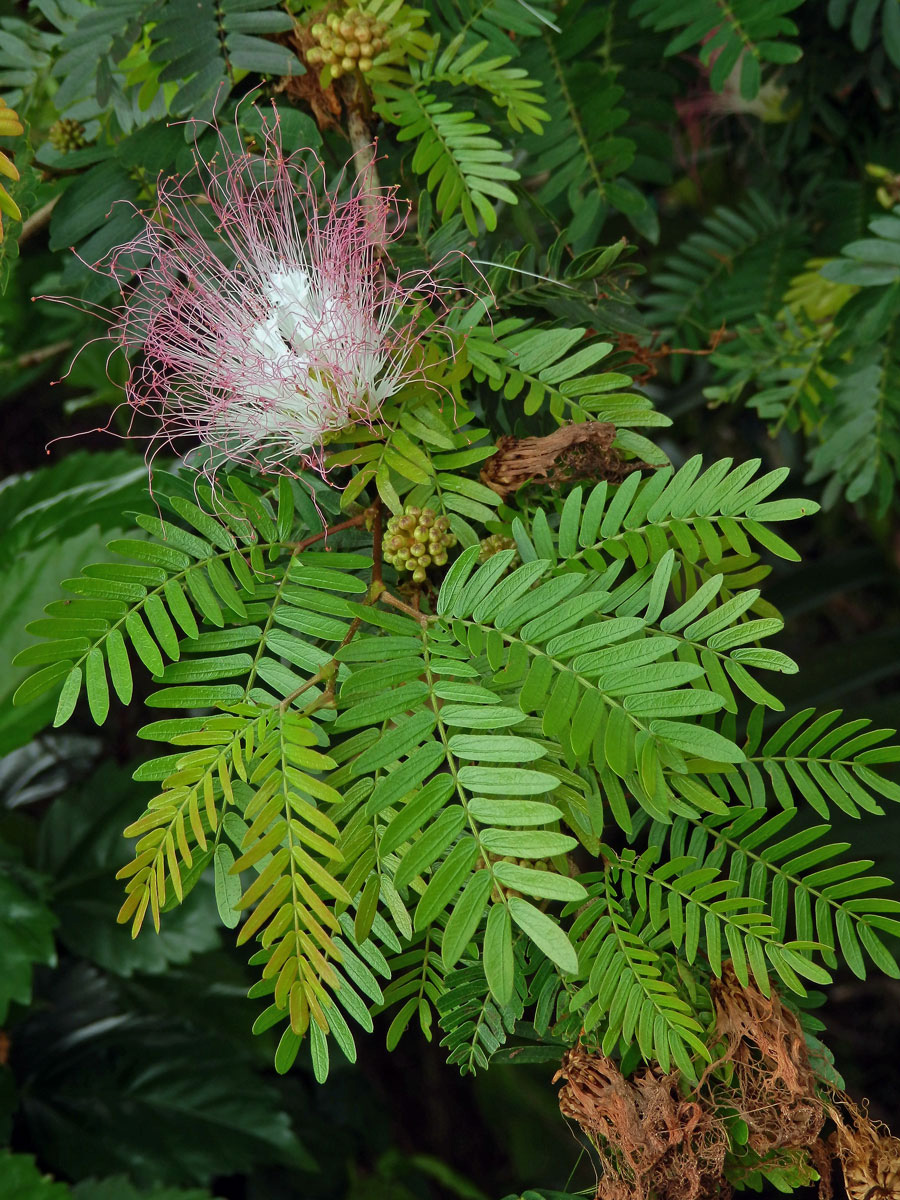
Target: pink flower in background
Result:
[287, 327]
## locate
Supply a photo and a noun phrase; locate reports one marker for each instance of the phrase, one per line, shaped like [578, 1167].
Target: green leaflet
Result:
[543, 885]
[495, 749]
[694, 739]
[545, 933]
[446, 882]
[498, 954]
[506, 781]
[512, 812]
[430, 845]
[228, 887]
[526, 843]
[412, 817]
[465, 918]
[397, 782]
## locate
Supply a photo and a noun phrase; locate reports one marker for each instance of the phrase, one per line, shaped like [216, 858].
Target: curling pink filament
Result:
[292, 329]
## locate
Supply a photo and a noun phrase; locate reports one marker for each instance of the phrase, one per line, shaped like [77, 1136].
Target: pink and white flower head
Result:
[291, 327]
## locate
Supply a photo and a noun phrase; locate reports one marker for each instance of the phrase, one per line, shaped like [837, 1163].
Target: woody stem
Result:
[350, 523]
[363, 147]
[354, 96]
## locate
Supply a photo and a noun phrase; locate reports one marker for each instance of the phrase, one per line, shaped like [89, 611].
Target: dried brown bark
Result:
[572, 452]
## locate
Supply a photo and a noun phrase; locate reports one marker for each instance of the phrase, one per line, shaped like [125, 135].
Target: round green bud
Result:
[419, 575]
[365, 64]
[493, 544]
[349, 64]
[67, 134]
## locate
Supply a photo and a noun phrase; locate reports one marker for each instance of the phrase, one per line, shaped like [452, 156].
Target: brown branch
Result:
[304, 687]
[37, 220]
[32, 358]
[325, 672]
[350, 523]
[649, 358]
[377, 545]
[396, 602]
[377, 591]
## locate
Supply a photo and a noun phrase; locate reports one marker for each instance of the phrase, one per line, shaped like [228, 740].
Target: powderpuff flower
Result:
[264, 311]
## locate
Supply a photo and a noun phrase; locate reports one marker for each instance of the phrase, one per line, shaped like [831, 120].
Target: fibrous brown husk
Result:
[774, 1084]
[324, 102]
[868, 1154]
[649, 1139]
[582, 451]
[653, 1142]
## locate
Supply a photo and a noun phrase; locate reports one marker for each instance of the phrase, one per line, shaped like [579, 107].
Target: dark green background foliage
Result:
[680, 217]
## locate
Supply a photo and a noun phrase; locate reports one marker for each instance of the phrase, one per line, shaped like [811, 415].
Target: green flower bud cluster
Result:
[66, 134]
[493, 544]
[417, 539]
[347, 41]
